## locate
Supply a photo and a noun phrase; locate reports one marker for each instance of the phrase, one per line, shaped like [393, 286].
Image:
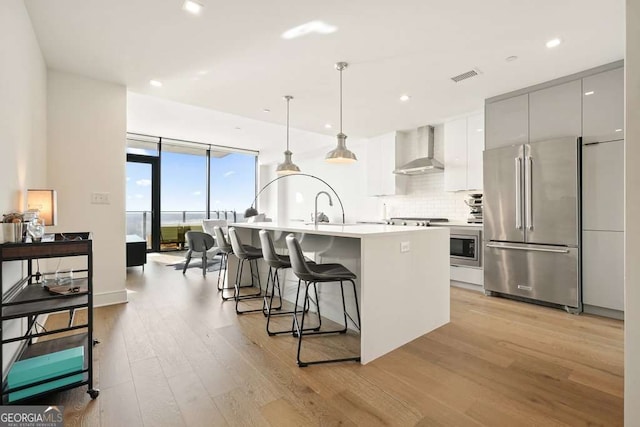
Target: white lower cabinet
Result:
[475, 276]
[603, 269]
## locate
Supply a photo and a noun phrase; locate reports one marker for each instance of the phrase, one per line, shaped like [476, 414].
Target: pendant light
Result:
[341, 154]
[287, 167]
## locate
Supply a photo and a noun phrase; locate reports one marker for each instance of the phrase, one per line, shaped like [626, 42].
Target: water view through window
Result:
[183, 192]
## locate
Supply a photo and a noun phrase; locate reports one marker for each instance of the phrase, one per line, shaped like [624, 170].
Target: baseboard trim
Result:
[110, 298]
[603, 312]
[465, 285]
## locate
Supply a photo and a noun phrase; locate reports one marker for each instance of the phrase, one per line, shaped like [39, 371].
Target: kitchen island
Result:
[403, 276]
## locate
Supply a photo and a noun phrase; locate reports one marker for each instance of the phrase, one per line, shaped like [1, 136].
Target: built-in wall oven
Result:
[466, 247]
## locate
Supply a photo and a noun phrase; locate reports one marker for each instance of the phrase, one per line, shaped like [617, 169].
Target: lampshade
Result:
[45, 202]
[287, 167]
[341, 154]
[250, 212]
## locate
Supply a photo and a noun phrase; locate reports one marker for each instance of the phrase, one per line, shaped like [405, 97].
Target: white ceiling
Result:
[394, 47]
[155, 116]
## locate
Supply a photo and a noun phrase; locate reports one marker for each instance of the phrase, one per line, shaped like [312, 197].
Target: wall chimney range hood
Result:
[425, 163]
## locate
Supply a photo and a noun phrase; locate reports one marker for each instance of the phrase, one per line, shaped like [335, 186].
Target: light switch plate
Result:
[405, 246]
[100, 199]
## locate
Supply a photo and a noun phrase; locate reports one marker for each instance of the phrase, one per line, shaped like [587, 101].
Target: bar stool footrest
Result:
[319, 362]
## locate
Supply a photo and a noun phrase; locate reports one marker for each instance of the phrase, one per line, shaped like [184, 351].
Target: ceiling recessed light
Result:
[511, 58]
[589, 93]
[266, 110]
[405, 98]
[479, 130]
[318, 27]
[192, 7]
[618, 130]
[328, 126]
[155, 83]
[238, 128]
[203, 72]
[554, 43]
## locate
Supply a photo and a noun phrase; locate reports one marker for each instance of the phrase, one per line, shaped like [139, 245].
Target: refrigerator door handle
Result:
[521, 248]
[518, 193]
[527, 192]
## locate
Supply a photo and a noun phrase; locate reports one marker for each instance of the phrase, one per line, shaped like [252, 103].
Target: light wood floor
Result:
[175, 355]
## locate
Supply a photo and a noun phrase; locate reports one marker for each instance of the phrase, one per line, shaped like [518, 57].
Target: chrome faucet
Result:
[315, 216]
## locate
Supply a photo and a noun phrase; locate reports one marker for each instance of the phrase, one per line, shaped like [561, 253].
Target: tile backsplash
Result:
[426, 198]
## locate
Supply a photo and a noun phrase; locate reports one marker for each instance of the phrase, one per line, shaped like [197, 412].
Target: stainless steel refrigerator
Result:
[532, 222]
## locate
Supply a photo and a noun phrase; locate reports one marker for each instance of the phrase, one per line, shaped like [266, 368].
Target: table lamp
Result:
[43, 201]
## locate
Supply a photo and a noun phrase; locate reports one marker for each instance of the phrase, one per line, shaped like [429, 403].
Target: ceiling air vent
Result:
[466, 75]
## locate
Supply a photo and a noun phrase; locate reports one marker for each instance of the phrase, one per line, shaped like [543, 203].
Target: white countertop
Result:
[456, 224]
[347, 230]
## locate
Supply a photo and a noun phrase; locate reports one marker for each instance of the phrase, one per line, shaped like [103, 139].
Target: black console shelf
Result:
[29, 299]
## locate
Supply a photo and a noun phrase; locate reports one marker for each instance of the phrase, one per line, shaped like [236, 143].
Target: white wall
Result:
[425, 195]
[296, 194]
[23, 82]
[632, 211]
[86, 137]
[23, 126]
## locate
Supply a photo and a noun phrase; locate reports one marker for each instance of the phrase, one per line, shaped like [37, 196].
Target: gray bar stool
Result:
[311, 275]
[276, 263]
[225, 250]
[252, 255]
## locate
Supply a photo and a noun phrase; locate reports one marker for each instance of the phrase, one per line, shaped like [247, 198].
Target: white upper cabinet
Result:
[603, 106]
[556, 112]
[507, 122]
[463, 146]
[381, 162]
[475, 147]
[455, 155]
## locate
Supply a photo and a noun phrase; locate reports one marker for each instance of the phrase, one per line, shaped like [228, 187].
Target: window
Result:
[183, 184]
[231, 189]
[193, 182]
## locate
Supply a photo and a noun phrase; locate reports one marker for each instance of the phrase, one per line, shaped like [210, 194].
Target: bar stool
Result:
[245, 253]
[225, 250]
[276, 263]
[312, 274]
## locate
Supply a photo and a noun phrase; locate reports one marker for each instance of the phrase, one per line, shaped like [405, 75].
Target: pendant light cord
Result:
[288, 99]
[341, 100]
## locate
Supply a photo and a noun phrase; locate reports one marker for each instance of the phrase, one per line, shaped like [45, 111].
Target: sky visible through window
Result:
[183, 183]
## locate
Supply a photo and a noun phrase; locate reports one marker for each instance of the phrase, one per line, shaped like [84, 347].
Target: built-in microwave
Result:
[466, 247]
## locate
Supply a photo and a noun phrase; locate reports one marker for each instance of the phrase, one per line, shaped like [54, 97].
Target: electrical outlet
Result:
[405, 246]
[100, 199]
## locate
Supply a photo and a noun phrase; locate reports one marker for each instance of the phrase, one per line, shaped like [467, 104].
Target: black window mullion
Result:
[208, 186]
